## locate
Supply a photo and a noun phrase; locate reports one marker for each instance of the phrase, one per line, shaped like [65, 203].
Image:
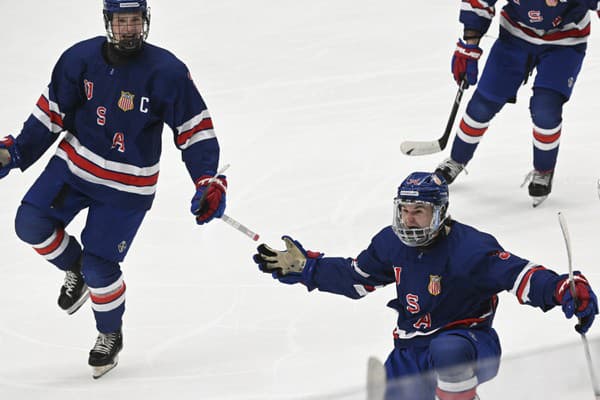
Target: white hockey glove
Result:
[289, 265]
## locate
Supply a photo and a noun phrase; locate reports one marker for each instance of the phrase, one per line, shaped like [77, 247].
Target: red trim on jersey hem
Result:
[571, 33]
[99, 172]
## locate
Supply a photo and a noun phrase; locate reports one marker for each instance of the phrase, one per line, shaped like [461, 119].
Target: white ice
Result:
[311, 100]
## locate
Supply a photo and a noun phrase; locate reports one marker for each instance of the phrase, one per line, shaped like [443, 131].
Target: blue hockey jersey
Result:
[558, 22]
[452, 283]
[113, 117]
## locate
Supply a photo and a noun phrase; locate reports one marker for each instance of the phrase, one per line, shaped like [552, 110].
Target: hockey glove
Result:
[209, 200]
[9, 155]
[292, 265]
[585, 304]
[464, 62]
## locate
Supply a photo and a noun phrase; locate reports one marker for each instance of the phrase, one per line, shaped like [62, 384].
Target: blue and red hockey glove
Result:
[585, 304]
[464, 62]
[209, 200]
[292, 265]
[9, 155]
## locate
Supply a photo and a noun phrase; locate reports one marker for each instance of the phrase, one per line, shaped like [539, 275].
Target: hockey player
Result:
[549, 36]
[447, 276]
[110, 96]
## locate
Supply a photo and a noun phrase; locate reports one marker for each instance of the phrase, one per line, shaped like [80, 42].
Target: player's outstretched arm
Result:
[581, 302]
[9, 155]
[292, 265]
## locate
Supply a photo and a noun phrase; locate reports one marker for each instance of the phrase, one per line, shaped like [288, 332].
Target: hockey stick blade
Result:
[420, 148]
[415, 148]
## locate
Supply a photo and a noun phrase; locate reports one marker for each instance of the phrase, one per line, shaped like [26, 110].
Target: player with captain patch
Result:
[111, 97]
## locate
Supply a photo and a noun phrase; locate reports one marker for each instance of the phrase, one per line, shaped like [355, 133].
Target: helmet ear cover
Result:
[421, 188]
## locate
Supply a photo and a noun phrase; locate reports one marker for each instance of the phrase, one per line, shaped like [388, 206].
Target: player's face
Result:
[127, 25]
[416, 215]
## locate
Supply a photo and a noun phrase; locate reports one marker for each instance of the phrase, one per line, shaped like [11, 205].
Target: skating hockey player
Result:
[447, 276]
[110, 96]
[549, 36]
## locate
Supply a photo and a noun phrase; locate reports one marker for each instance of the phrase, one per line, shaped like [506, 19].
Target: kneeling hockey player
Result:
[447, 276]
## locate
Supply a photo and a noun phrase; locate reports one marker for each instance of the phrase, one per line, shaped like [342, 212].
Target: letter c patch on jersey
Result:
[119, 142]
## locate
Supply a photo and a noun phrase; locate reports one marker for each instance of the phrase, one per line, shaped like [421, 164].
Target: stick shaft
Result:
[418, 148]
[586, 347]
[242, 228]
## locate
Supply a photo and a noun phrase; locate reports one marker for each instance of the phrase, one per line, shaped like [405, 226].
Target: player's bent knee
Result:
[546, 107]
[451, 350]
[482, 109]
[31, 225]
[99, 272]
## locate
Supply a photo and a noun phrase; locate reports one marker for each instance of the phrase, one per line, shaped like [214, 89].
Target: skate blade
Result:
[99, 372]
[538, 200]
[78, 303]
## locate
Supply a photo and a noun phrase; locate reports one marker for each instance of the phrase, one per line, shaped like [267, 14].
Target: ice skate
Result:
[449, 170]
[74, 292]
[105, 354]
[540, 185]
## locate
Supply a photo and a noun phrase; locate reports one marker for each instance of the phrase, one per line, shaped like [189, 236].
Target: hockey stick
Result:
[226, 218]
[586, 346]
[419, 148]
[375, 379]
[233, 223]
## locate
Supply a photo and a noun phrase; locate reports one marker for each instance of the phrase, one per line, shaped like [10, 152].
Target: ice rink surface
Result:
[310, 101]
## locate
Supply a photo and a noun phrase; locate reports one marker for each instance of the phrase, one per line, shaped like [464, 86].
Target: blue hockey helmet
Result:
[421, 188]
[126, 42]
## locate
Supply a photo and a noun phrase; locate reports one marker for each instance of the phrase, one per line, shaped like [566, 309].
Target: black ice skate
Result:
[449, 170]
[540, 185]
[105, 354]
[74, 292]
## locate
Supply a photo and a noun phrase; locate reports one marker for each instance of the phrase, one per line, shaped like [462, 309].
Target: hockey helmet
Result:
[421, 188]
[128, 43]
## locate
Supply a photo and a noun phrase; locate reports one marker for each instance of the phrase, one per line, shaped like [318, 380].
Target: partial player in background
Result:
[549, 36]
[110, 96]
[447, 276]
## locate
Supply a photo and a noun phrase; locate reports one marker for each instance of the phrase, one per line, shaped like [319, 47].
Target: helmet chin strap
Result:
[129, 46]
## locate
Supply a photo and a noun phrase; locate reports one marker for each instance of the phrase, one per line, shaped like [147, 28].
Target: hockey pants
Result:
[48, 208]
